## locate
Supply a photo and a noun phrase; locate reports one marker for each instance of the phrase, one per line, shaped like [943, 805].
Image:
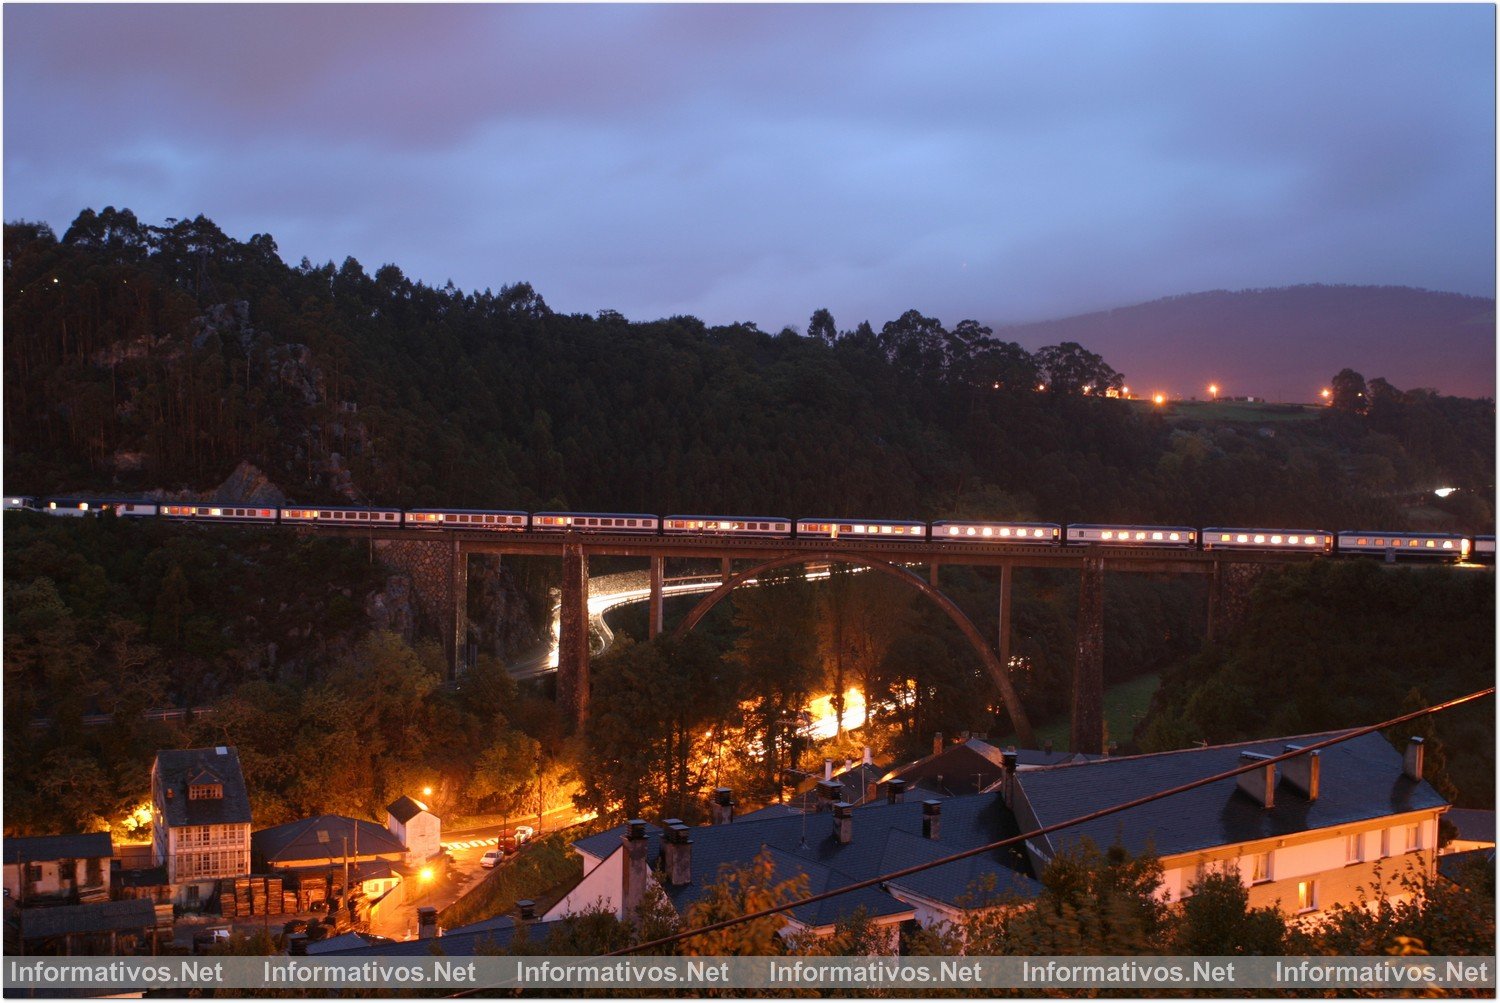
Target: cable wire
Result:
[1258, 764]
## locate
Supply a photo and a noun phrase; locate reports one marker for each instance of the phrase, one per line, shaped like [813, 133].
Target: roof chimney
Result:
[937, 742]
[932, 811]
[677, 852]
[1412, 763]
[633, 874]
[1259, 784]
[1302, 772]
[843, 822]
[868, 760]
[828, 793]
[827, 769]
[895, 791]
[525, 912]
[426, 922]
[722, 808]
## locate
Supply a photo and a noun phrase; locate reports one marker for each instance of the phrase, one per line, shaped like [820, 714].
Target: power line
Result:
[1055, 826]
[1259, 764]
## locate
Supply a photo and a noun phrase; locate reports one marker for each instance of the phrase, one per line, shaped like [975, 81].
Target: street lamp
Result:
[1213, 390]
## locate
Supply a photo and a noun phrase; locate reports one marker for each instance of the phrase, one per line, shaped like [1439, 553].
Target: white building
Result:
[200, 823]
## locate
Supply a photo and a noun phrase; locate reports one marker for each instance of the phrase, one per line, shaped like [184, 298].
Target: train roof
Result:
[734, 518]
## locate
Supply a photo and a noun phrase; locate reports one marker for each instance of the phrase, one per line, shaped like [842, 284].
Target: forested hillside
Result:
[157, 358]
[1298, 335]
[160, 360]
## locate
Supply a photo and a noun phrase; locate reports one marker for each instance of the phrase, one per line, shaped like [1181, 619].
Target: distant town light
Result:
[427, 792]
[1041, 387]
[1158, 399]
[1444, 492]
[1327, 394]
[1213, 390]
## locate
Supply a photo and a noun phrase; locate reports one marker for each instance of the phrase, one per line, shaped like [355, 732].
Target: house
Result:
[418, 829]
[58, 870]
[95, 928]
[858, 781]
[484, 937]
[832, 848]
[200, 823]
[320, 847]
[1304, 834]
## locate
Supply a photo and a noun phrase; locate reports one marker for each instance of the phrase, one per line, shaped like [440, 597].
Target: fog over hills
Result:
[1285, 343]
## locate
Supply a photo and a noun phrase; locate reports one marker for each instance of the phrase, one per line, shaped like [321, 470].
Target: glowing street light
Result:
[1158, 399]
[425, 874]
[1213, 390]
[1327, 395]
[427, 792]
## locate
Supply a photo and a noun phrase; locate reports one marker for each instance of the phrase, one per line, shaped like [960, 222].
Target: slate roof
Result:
[404, 808]
[173, 769]
[346, 942]
[303, 840]
[1360, 779]
[1474, 825]
[462, 941]
[97, 917]
[967, 767]
[34, 849]
[886, 837]
[855, 782]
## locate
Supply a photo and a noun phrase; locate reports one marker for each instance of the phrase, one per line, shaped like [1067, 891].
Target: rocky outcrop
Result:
[249, 485]
[500, 618]
[391, 609]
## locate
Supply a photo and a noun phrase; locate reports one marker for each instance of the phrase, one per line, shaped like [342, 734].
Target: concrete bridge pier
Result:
[1088, 671]
[655, 616]
[573, 634]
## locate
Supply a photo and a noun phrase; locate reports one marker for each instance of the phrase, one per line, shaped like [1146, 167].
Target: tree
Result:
[915, 344]
[1069, 368]
[739, 891]
[820, 325]
[1349, 392]
[1216, 919]
[1095, 903]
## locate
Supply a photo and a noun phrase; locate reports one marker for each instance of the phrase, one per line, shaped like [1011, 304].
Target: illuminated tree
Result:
[1069, 368]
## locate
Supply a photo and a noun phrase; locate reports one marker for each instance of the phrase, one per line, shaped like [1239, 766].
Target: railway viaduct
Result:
[438, 568]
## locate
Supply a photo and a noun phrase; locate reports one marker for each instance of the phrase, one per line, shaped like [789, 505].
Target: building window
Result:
[201, 792]
[1354, 847]
[1260, 868]
[1385, 842]
[1307, 896]
[1414, 837]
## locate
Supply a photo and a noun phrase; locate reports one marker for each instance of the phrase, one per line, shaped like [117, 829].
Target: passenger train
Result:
[1387, 544]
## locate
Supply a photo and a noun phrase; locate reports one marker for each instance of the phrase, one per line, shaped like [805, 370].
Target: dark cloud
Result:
[754, 162]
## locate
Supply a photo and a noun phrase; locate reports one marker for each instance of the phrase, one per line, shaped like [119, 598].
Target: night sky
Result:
[754, 163]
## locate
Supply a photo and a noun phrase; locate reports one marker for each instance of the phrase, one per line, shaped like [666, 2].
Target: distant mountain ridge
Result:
[1285, 343]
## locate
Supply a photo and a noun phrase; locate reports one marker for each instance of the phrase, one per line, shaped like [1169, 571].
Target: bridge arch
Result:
[960, 619]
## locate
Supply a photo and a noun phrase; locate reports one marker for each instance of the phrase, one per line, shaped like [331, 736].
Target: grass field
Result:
[1244, 412]
[1124, 707]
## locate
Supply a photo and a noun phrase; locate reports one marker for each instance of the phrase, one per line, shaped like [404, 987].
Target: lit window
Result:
[1175, 536]
[1242, 538]
[1307, 896]
[1260, 538]
[1156, 536]
[1104, 535]
[1276, 539]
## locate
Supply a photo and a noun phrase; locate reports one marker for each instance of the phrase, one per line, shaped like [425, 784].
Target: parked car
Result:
[524, 833]
[490, 858]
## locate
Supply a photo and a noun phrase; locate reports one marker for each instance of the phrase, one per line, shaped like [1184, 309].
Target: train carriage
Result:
[1483, 549]
[1092, 534]
[594, 522]
[1316, 541]
[487, 520]
[219, 513]
[860, 529]
[952, 531]
[20, 503]
[726, 525]
[1407, 546]
[338, 515]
